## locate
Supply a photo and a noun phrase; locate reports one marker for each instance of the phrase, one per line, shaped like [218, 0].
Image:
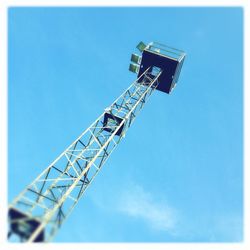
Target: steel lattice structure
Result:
[38, 212]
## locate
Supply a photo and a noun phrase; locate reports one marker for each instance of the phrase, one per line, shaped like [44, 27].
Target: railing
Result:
[166, 50]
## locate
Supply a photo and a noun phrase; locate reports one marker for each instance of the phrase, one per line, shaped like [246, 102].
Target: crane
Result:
[37, 213]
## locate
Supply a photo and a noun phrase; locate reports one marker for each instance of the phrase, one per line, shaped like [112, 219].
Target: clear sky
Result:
[178, 174]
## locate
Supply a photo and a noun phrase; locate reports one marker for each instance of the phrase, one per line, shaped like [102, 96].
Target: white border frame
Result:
[4, 4]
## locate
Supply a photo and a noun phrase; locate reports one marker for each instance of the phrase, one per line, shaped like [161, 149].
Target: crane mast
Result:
[37, 213]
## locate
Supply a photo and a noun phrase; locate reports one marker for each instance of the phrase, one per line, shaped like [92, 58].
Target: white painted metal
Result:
[50, 198]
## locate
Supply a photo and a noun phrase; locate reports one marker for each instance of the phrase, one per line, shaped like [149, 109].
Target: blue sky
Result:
[178, 175]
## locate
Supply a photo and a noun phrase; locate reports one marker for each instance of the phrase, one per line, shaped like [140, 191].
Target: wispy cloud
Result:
[228, 228]
[139, 203]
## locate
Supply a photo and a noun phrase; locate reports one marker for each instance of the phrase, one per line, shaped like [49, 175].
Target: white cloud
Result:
[228, 228]
[138, 203]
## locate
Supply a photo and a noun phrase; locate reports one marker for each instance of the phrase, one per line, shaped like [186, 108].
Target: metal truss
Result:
[38, 212]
